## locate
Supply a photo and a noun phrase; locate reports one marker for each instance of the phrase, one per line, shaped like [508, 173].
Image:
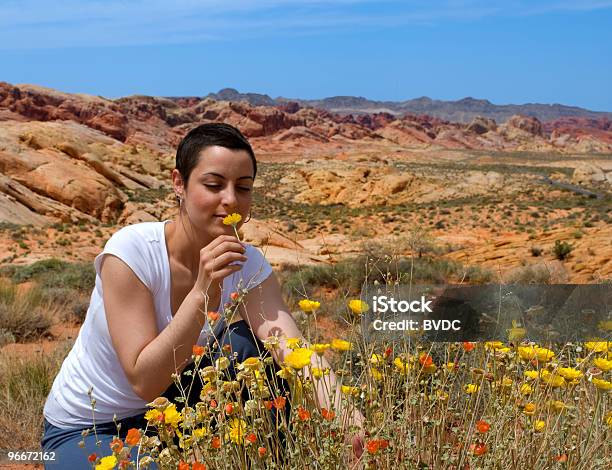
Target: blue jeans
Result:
[64, 442]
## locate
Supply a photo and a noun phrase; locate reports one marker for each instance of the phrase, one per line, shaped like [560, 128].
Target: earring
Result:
[179, 199]
[248, 218]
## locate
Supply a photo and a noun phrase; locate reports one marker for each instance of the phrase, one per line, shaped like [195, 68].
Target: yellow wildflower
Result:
[232, 219]
[527, 353]
[293, 343]
[107, 463]
[171, 416]
[532, 374]
[544, 355]
[526, 389]
[286, 373]
[602, 385]
[376, 374]
[570, 373]
[348, 390]
[602, 364]
[471, 388]
[237, 430]
[493, 344]
[608, 419]
[597, 346]
[554, 380]
[376, 359]
[153, 415]
[250, 363]
[358, 306]
[317, 372]
[309, 306]
[401, 366]
[557, 406]
[516, 333]
[529, 409]
[450, 366]
[341, 345]
[199, 433]
[222, 363]
[320, 348]
[298, 358]
[539, 425]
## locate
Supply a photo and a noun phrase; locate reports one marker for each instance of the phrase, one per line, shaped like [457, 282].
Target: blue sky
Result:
[511, 51]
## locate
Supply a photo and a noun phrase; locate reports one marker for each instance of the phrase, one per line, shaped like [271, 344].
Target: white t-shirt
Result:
[93, 362]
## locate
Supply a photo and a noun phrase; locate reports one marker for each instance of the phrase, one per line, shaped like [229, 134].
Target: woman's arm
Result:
[149, 358]
[268, 315]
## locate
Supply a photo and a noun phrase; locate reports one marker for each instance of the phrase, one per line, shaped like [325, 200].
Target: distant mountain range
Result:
[463, 110]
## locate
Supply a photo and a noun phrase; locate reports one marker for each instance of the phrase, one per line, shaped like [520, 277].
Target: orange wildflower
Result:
[198, 350]
[328, 414]
[468, 346]
[251, 437]
[303, 413]
[198, 466]
[372, 447]
[261, 451]
[268, 404]
[133, 437]
[213, 316]
[479, 449]
[483, 426]
[234, 295]
[229, 409]
[561, 458]
[183, 466]
[116, 445]
[425, 360]
[279, 403]
[92, 457]
[213, 403]
[216, 442]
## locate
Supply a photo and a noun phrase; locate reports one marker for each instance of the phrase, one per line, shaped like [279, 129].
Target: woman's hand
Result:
[215, 259]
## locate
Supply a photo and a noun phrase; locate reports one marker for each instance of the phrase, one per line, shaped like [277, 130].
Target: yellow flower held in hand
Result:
[309, 306]
[358, 306]
[171, 416]
[232, 219]
[298, 358]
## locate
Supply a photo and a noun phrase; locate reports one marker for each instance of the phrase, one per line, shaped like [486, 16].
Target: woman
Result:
[155, 282]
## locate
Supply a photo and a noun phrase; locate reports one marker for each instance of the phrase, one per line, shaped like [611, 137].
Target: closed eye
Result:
[242, 188]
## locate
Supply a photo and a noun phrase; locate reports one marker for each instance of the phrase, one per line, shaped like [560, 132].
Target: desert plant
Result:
[562, 249]
[25, 315]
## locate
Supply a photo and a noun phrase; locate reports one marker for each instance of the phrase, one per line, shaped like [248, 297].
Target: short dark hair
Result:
[207, 135]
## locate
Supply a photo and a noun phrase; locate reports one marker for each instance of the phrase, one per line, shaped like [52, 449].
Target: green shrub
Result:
[561, 250]
[54, 273]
